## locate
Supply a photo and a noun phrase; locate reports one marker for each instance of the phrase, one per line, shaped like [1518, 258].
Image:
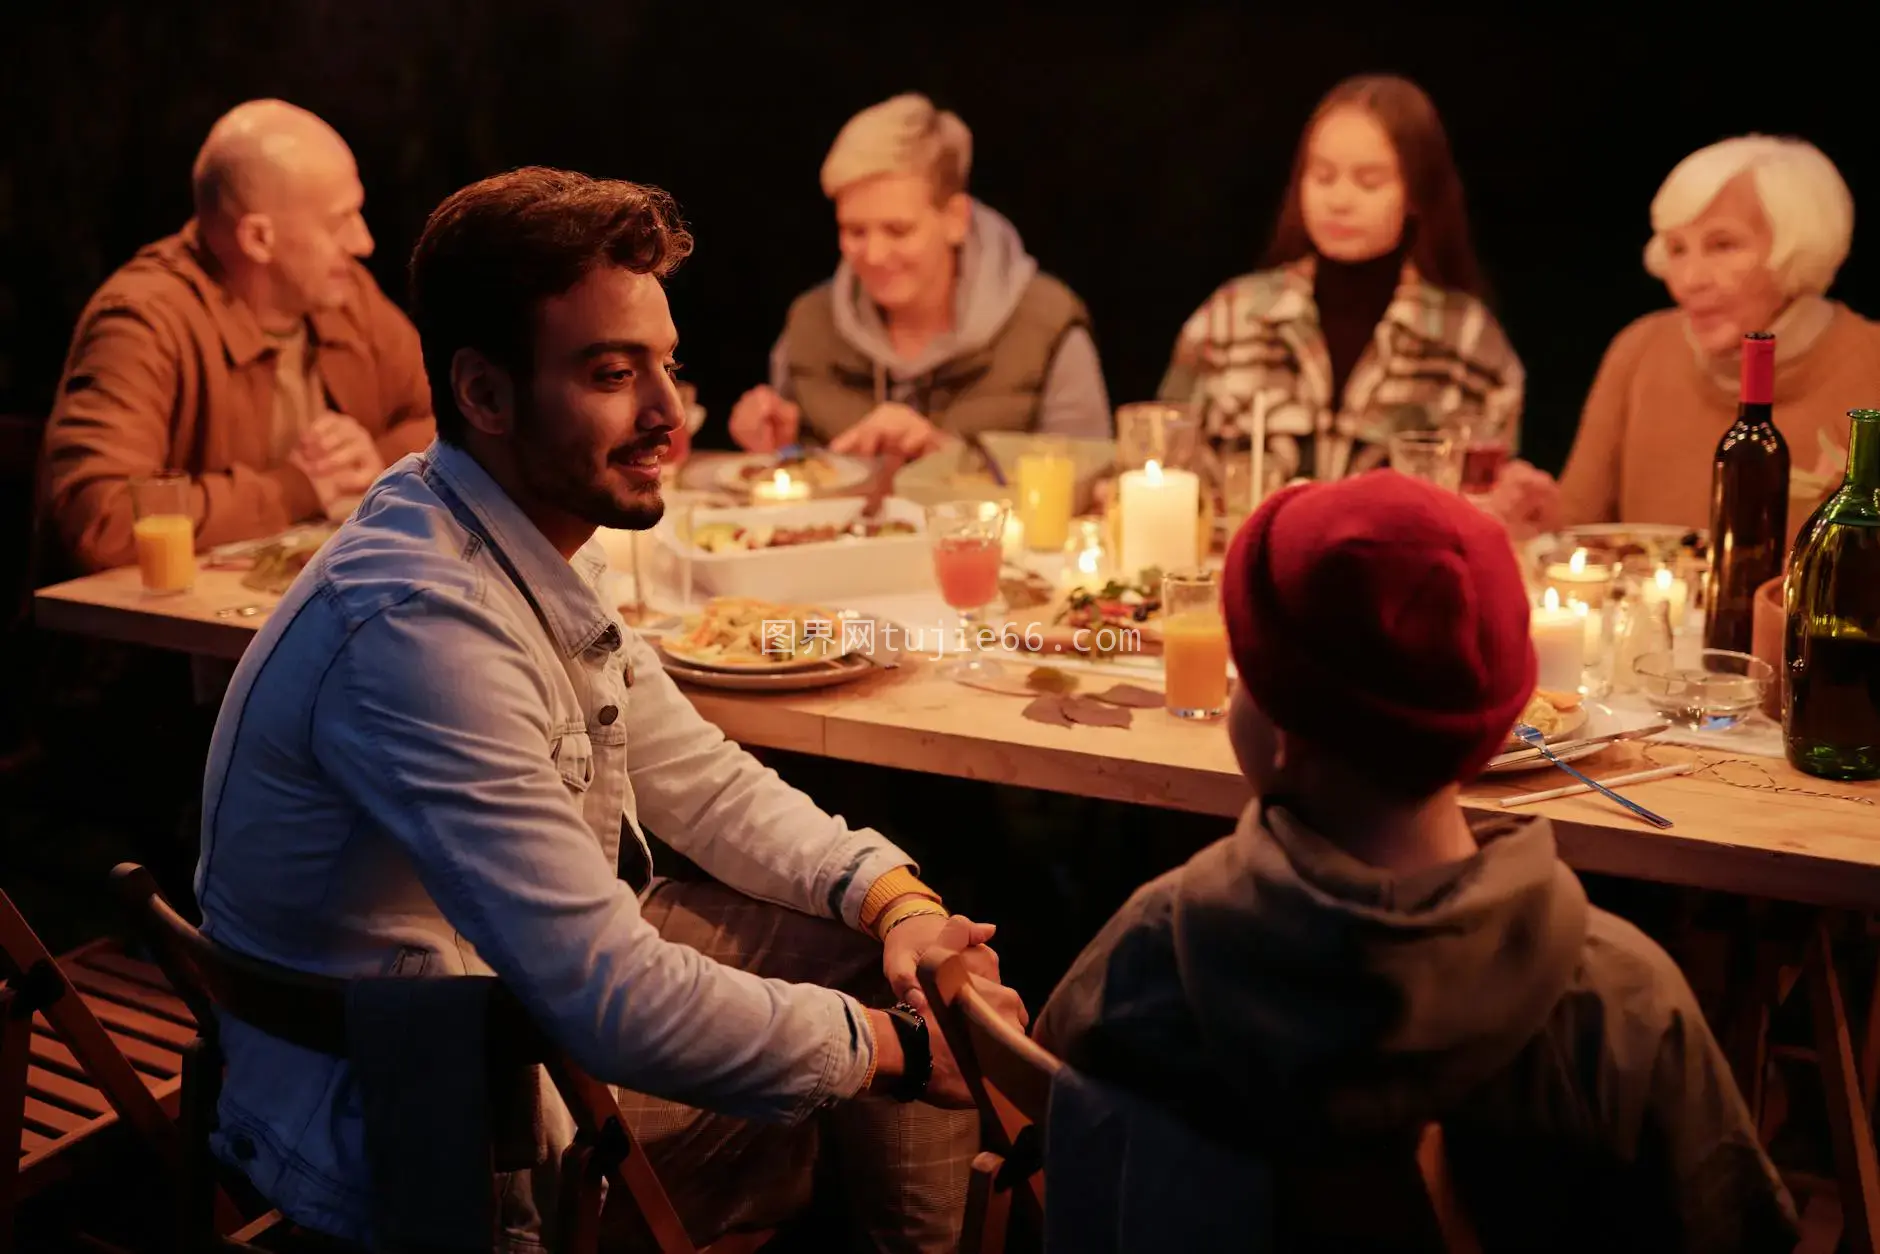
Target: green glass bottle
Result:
[1831, 715]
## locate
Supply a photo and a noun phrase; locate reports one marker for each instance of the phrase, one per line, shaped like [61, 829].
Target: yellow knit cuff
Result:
[898, 882]
[906, 910]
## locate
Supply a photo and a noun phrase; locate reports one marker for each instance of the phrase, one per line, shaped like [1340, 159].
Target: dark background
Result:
[1140, 151]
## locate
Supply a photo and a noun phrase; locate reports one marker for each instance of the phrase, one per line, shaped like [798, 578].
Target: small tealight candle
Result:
[1559, 635]
[1674, 592]
[1012, 542]
[1578, 579]
[779, 489]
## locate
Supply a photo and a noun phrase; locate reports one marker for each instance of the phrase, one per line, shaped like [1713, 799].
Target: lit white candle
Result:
[779, 488]
[1559, 636]
[1577, 578]
[1674, 592]
[1159, 511]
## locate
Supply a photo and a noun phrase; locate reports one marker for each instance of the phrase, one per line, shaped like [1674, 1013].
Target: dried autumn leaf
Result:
[1136, 698]
[1093, 713]
[1050, 679]
[1048, 709]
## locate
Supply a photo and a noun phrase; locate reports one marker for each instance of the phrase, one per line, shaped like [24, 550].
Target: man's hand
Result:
[338, 456]
[763, 422]
[890, 428]
[904, 947]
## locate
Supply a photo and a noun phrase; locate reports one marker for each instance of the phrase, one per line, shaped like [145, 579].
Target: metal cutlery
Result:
[1514, 756]
[1534, 736]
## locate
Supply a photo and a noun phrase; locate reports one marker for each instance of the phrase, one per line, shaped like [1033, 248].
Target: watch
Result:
[917, 1051]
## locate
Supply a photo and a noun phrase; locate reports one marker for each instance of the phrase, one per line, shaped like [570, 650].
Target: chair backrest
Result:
[310, 1011]
[997, 1060]
[293, 1006]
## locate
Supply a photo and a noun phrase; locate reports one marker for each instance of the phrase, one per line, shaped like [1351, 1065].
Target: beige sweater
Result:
[1654, 417]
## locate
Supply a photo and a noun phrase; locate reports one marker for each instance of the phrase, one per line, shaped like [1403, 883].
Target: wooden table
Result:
[1819, 850]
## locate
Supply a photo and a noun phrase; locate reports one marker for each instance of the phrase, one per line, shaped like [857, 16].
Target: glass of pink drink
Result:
[968, 539]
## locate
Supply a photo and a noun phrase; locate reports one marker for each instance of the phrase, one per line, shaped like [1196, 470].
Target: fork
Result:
[1535, 737]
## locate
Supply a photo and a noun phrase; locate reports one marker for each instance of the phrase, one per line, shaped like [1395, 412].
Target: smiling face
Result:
[594, 425]
[1716, 267]
[897, 240]
[1352, 195]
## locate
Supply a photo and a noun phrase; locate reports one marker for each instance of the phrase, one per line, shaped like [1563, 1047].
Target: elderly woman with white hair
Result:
[1747, 236]
[937, 322]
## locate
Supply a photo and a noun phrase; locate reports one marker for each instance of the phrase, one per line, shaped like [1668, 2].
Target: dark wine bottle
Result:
[1831, 715]
[1749, 503]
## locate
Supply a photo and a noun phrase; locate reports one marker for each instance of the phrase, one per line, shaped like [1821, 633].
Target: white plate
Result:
[844, 472]
[1601, 720]
[823, 675]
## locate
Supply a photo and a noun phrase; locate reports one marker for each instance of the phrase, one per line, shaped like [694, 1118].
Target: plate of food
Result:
[752, 636]
[1635, 545]
[1118, 617]
[752, 536]
[822, 470]
[1559, 716]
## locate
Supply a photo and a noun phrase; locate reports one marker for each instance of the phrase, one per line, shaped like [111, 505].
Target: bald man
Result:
[251, 350]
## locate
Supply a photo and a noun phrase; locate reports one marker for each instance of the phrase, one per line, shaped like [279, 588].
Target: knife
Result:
[1566, 746]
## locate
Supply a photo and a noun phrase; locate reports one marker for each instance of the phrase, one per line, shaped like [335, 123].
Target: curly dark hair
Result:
[494, 251]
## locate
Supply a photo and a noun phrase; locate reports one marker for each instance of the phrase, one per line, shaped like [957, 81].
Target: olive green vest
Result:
[998, 387]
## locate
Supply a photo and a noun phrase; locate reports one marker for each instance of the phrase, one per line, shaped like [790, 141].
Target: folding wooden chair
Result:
[1009, 1076]
[310, 1011]
[89, 1040]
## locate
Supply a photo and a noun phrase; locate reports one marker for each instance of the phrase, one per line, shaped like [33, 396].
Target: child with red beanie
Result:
[1361, 958]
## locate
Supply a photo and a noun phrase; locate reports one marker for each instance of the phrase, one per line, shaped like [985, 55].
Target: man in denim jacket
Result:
[441, 750]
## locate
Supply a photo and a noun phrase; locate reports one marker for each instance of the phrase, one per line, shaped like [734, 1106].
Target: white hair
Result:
[905, 135]
[1810, 210]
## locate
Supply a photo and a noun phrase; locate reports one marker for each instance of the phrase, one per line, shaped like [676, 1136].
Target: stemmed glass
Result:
[967, 539]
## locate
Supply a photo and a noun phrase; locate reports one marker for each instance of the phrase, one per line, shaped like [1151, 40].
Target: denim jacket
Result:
[428, 763]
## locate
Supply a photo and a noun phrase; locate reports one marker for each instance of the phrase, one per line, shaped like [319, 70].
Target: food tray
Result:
[833, 570]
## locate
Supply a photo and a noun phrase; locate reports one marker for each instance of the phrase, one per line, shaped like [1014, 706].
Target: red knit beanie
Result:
[1385, 620]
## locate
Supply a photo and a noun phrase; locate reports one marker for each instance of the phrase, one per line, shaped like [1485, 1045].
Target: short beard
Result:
[544, 471]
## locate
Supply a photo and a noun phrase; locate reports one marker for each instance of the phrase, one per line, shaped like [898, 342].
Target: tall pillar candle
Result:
[1159, 509]
[1559, 637]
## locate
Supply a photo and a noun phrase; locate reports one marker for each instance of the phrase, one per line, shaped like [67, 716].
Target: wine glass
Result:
[967, 539]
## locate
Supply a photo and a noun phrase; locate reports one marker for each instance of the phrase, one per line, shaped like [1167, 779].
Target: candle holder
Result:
[1157, 431]
[1576, 577]
[1088, 554]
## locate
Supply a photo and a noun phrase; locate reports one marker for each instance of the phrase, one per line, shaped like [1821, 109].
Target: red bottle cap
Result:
[1759, 369]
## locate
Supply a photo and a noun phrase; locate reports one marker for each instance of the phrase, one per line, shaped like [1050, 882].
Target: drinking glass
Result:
[967, 539]
[164, 532]
[1047, 478]
[1433, 456]
[1194, 645]
[1157, 431]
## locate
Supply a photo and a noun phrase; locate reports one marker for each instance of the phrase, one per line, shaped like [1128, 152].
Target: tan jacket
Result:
[167, 370]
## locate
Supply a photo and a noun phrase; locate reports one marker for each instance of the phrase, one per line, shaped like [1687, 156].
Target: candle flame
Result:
[1087, 561]
[1577, 563]
[1579, 607]
[1664, 579]
[1551, 601]
[1152, 470]
[781, 480]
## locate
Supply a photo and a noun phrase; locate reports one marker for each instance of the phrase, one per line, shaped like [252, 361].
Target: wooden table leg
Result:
[1854, 1157]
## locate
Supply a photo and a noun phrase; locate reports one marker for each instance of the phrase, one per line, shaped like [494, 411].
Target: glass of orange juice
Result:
[164, 533]
[1194, 645]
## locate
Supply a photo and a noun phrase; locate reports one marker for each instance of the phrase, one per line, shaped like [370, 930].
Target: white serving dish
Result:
[832, 570]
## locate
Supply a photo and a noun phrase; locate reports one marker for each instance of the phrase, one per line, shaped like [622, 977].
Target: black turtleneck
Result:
[1352, 298]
